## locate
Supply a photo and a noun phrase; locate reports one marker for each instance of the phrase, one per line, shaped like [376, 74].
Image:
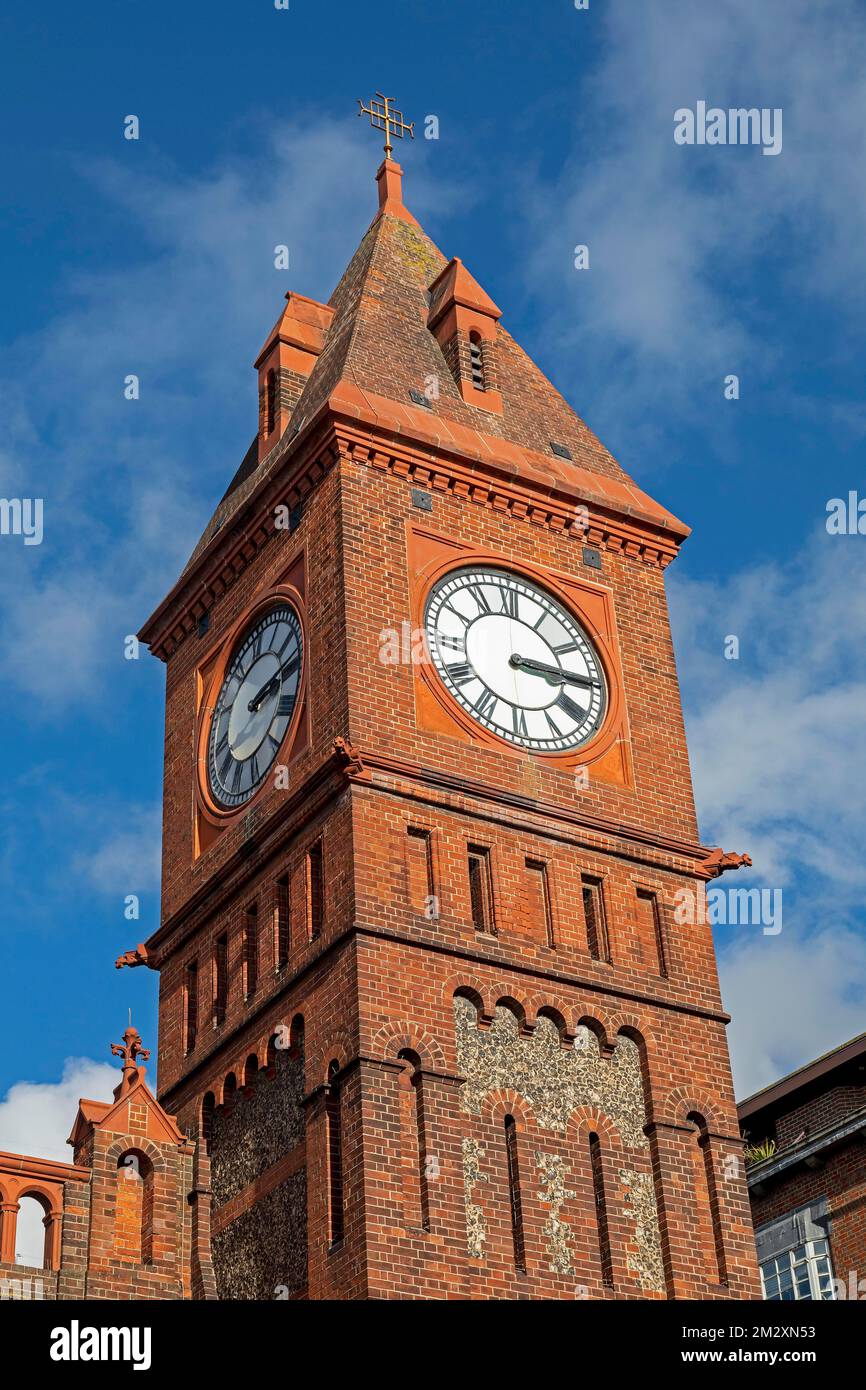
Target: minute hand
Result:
[526, 663]
[270, 685]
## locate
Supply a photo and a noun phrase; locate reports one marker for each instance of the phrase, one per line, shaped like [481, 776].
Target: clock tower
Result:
[427, 1006]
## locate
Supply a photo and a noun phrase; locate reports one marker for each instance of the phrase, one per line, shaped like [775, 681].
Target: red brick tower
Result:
[427, 804]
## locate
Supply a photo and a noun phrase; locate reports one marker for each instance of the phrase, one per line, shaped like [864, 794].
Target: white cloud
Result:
[777, 738]
[185, 304]
[677, 234]
[777, 742]
[792, 998]
[126, 860]
[36, 1117]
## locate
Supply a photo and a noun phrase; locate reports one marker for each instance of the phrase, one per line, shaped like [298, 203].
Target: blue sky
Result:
[556, 128]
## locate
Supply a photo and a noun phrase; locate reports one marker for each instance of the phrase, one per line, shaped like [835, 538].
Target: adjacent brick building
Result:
[426, 1013]
[807, 1177]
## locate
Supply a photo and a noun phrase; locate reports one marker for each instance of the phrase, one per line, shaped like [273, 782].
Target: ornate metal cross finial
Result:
[385, 116]
[130, 1049]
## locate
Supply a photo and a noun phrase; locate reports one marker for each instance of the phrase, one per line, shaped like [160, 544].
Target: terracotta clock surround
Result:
[431, 557]
[211, 818]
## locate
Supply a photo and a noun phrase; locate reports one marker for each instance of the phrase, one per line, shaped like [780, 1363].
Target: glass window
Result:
[803, 1273]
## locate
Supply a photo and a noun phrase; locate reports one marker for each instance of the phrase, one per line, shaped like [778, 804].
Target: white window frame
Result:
[810, 1267]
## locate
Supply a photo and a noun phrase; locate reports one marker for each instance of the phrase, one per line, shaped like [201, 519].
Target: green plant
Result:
[756, 1153]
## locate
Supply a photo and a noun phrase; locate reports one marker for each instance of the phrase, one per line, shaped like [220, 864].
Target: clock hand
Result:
[526, 663]
[269, 686]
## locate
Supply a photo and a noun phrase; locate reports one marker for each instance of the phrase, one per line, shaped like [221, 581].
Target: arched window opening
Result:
[595, 918]
[190, 1007]
[282, 909]
[32, 1231]
[476, 361]
[251, 1068]
[230, 1090]
[333, 1120]
[251, 950]
[296, 1043]
[271, 401]
[600, 1199]
[415, 1164]
[208, 1106]
[707, 1202]
[133, 1213]
[514, 1194]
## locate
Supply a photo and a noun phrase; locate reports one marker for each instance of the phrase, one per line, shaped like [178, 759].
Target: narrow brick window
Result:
[476, 361]
[281, 922]
[251, 950]
[333, 1118]
[600, 1211]
[413, 1134]
[220, 978]
[514, 1198]
[133, 1209]
[709, 1228]
[594, 917]
[651, 931]
[190, 1006]
[315, 890]
[208, 1106]
[271, 401]
[481, 888]
[422, 889]
[539, 912]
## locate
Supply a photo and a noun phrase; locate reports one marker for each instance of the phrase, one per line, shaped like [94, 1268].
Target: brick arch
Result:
[583, 1018]
[50, 1201]
[337, 1045]
[544, 1002]
[505, 1101]
[126, 1142]
[630, 1025]
[517, 1010]
[589, 1119]
[219, 1088]
[394, 1038]
[471, 985]
[542, 1007]
[682, 1102]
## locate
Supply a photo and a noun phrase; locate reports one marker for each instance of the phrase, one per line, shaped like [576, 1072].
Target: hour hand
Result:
[527, 663]
[261, 695]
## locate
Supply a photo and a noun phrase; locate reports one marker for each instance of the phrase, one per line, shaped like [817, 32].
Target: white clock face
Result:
[516, 660]
[255, 706]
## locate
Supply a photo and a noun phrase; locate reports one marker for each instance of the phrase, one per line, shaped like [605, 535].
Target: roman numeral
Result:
[552, 724]
[237, 776]
[510, 602]
[224, 767]
[568, 706]
[454, 644]
[518, 719]
[481, 599]
[485, 703]
[254, 769]
[286, 704]
[461, 672]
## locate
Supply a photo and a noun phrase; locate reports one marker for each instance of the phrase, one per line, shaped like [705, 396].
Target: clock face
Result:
[255, 705]
[516, 660]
